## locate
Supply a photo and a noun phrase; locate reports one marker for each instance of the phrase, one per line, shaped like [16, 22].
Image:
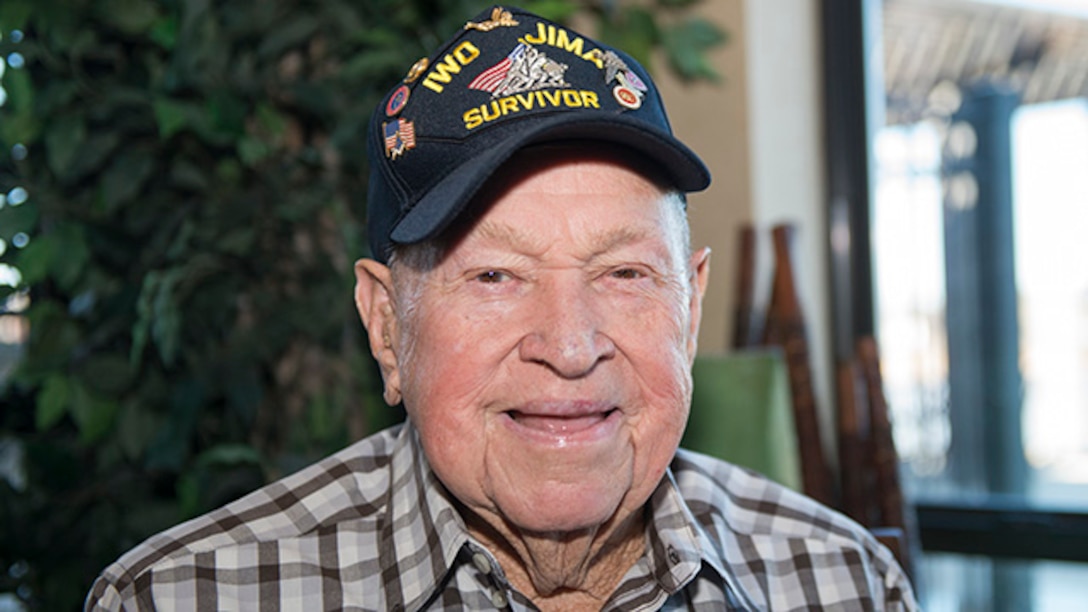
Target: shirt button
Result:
[498, 599]
[480, 561]
[674, 557]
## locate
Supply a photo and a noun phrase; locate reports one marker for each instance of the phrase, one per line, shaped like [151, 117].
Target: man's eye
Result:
[492, 276]
[627, 274]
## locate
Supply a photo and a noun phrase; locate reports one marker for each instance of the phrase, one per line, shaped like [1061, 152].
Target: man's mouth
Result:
[560, 425]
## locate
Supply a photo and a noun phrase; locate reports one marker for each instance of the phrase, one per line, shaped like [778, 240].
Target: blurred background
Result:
[183, 188]
[932, 155]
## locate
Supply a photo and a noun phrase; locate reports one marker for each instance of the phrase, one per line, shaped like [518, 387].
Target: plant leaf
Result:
[14, 14]
[229, 454]
[125, 177]
[93, 414]
[21, 123]
[52, 402]
[686, 45]
[173, 116]
[129, 16]
[36, 259]
[62, 140]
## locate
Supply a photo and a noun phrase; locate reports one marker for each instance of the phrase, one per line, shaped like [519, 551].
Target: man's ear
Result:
[374, 300]
[700, 274]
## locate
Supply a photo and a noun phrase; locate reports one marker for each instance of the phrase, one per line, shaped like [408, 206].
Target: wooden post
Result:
[744, 332]
[786, 328]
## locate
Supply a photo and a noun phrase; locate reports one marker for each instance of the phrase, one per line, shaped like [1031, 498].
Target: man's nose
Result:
[566, 330]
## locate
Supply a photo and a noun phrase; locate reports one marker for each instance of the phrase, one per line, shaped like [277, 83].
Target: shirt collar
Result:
[422, 527]
[677, 545]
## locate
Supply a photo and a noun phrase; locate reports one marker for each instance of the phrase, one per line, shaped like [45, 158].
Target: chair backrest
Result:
[868, 486]
[741, 412]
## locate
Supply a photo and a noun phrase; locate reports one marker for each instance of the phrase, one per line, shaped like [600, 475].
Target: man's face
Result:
[546, 359]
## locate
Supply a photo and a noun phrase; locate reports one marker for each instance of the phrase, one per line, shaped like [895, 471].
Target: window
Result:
[1050, 202]
[965, 186]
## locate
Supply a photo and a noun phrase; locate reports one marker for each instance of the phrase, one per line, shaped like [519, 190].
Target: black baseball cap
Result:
[509, 79]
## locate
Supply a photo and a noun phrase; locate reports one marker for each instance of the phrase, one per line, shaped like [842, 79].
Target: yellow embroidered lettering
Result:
[508, 105]
[527, 101]
[511, 105]
[450, 65]
[472, 118]
[541, 35]
[560, 38]
[466, 52]
[495, 108]
[594, 55]
[443, 71]
[563, 41]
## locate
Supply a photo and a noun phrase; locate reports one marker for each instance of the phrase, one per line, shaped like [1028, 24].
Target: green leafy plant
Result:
[195, 180]
[666, 25]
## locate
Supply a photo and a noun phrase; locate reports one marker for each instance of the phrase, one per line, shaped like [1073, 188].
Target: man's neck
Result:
[563, 571]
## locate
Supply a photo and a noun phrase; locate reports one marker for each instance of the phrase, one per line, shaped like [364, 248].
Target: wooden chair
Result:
[868, 488]
[867, 457]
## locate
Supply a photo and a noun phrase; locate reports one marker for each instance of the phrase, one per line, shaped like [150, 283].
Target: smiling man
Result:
[533, 301]
[543, 356]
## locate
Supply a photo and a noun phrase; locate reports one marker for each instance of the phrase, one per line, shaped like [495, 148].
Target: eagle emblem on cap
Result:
[499, 18]
[417, 70]
[629, 89]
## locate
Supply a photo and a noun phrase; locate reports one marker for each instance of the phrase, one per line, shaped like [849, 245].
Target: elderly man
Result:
[534, 303]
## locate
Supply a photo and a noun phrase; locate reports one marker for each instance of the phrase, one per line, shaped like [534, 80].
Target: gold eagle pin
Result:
[416, 70]
[499, 18]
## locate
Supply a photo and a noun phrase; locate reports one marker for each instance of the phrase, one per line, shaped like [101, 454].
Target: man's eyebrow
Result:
[512, 237]
[607, 241]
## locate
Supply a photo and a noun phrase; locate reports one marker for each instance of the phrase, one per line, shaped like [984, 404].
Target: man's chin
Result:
[551, 513]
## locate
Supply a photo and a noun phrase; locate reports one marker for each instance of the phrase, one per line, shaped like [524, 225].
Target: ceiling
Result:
[934, 49]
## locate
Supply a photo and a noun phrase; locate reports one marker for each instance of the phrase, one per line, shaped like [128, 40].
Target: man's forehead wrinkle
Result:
[596, 241]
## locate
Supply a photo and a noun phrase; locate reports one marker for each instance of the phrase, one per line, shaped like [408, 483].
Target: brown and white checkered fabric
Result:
[371, 528]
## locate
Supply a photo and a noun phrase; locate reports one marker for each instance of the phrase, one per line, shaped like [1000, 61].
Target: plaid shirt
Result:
[371, 528]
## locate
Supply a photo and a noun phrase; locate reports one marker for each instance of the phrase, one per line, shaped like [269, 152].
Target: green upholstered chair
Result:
[741, 412]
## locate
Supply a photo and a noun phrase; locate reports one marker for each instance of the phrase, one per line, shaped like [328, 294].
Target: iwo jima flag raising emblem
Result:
[524, 69]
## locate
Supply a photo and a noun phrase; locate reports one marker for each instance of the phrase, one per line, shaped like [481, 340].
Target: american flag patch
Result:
[400, 135]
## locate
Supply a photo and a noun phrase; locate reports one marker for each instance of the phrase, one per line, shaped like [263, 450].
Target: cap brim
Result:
[449, 197]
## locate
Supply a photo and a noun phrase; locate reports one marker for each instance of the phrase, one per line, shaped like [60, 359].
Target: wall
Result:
[761, 132]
